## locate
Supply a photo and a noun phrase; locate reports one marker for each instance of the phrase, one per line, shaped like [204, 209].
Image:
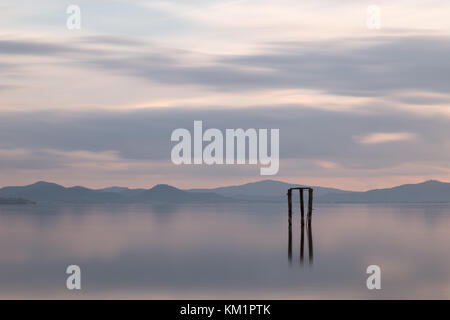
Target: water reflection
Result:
[310, 241]
[290, 243]
[302, 241]
[224, 251]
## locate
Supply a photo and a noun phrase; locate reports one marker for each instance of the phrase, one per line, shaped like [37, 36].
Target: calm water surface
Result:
[224, 251]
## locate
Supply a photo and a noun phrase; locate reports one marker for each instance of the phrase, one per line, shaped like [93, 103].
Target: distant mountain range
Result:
[45, 192]
[275, 191]
[428, 191]
[266, 190]
[261, 191]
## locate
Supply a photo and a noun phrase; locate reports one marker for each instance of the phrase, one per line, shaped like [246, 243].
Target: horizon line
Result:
[223, 186]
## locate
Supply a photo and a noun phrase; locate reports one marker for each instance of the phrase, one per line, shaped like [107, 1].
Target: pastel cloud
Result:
[384, 137]
[324, 74]
[132, 148]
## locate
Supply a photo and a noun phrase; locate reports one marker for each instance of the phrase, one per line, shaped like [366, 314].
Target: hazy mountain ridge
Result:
[46, 192]
[261, 191]
[275, 191]
[266, 190]
[428, 191]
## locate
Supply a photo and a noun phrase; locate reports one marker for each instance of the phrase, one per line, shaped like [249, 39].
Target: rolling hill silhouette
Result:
[46, 192]
[265, 190]
[428, 191]
[261, 191]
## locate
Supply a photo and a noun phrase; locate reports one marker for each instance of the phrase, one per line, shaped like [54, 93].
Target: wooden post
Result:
[290, 206]
[310, 202]
[302, 204]
[289, 194]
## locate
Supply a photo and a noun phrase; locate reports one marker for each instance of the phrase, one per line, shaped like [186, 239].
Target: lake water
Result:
[225, 251]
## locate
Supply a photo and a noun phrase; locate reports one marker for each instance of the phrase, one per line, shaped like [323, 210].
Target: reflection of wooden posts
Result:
[290, 244]
[310, 242]
[302, 240]
[302, 223]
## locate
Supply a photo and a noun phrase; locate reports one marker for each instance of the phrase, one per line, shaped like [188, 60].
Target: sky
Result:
[357, 108]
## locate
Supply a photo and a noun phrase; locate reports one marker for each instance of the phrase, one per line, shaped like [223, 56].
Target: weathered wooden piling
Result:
[302, 207]
[290, 206]
[302, 201]
[310, 202]
[302, 223]
[289, 194]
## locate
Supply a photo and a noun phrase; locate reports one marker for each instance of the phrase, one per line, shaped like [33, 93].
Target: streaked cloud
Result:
[310, 72]
[101, 148]
[327, 164]
[384, 137]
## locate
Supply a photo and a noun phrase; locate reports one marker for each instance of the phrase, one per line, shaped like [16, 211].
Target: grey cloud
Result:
[20, 47]
[371, 67]
[413, 99]
[169, 71]
[354, 67]
[304, 133]
[5, 87]
[48, 49]
[111, 40]
[32, 160]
